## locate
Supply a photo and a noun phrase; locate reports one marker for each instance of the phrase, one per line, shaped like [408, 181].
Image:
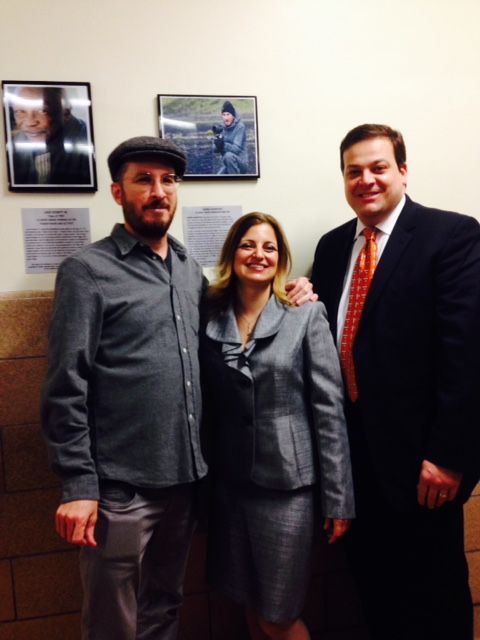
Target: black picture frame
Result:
[49, 136]
[196, 123]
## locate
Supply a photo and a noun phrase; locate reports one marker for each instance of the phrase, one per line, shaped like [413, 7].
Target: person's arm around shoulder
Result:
[326, 396]
[299, 291]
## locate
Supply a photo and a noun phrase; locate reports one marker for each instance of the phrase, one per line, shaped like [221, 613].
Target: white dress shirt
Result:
[384, 231]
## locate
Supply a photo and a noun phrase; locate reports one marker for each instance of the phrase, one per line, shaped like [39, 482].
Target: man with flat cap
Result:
[231, 142]
[121, 404]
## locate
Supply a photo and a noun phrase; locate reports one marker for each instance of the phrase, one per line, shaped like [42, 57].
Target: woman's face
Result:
[256, 256]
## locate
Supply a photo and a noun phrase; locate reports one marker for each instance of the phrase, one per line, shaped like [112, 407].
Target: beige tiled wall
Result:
[472, 545]
[472, 542]
[39, 583]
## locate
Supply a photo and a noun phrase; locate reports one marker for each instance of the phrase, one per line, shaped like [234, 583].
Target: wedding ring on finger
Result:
[443, 494]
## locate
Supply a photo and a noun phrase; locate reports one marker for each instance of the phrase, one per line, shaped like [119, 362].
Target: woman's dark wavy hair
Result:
[222, 291]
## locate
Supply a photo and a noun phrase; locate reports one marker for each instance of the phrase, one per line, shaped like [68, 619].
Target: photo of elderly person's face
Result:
[38, 112]
[49, 137]
[31, 114]
[228, 118]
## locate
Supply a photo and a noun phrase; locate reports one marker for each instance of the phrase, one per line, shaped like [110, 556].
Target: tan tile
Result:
[2, 483]
[472, 524]
[47, 584]
[25, 459]
[20, 384]
[476, 491]
[24, 324]
[7, 608]
[474, 569]
[27, 523]
[22, 295]
[476, 612]
[195, 579]
[65, 627]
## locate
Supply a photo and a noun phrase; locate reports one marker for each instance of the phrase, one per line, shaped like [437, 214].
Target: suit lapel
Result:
[396, 245]
[336, 278]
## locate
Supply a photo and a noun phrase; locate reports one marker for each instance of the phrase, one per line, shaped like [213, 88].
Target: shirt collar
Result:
[126, 242]
[387, 225]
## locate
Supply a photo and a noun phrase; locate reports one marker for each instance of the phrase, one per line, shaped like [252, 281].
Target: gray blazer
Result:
[276, 408]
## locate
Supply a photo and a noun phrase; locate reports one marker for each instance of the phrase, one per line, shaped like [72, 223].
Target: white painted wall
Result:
[318, 68]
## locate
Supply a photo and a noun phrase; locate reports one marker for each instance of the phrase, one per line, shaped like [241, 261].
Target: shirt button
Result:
[184, 349]
[189, 384]
[191, 417]
[178, 317]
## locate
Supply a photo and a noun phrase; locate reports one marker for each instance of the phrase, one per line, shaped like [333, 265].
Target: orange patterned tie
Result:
[361, 279]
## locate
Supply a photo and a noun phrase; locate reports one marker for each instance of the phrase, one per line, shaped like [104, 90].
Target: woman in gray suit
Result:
[274, 403]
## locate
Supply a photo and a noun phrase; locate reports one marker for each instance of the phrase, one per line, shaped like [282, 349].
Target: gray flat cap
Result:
[147, 148]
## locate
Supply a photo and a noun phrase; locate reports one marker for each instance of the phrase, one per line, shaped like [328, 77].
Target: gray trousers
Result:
[133, 580]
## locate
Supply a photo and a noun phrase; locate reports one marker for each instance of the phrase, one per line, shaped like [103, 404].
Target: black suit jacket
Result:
[417, 350]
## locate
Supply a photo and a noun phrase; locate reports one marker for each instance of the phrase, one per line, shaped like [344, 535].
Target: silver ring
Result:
[443, 494]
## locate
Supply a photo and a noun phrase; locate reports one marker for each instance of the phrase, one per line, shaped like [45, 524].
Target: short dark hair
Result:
[367, 131]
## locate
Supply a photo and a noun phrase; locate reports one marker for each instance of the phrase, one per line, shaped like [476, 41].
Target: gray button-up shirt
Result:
[122, 397]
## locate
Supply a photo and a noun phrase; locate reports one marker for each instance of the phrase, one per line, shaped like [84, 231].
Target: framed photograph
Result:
[49, 136]
[219, 134]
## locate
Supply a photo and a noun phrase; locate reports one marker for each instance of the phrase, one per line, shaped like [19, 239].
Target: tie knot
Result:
[369, 232]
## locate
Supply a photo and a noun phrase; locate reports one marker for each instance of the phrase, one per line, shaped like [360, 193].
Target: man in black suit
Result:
[412, 412]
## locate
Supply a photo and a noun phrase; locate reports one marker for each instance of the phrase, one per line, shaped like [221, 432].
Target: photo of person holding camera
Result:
[231, 141]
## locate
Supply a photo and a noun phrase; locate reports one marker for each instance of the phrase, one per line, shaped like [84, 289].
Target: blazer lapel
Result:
[396, 245]
[224, 330]
[270, 319]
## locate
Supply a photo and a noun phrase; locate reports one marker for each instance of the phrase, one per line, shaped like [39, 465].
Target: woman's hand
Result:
[335, 528]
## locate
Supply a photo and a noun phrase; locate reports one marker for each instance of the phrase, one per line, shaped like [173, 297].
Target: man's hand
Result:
[75, 522]
[219, 144]
[335, 528]
[300, 291]
[437, 485]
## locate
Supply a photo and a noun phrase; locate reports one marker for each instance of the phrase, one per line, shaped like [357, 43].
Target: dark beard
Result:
[151, 230]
